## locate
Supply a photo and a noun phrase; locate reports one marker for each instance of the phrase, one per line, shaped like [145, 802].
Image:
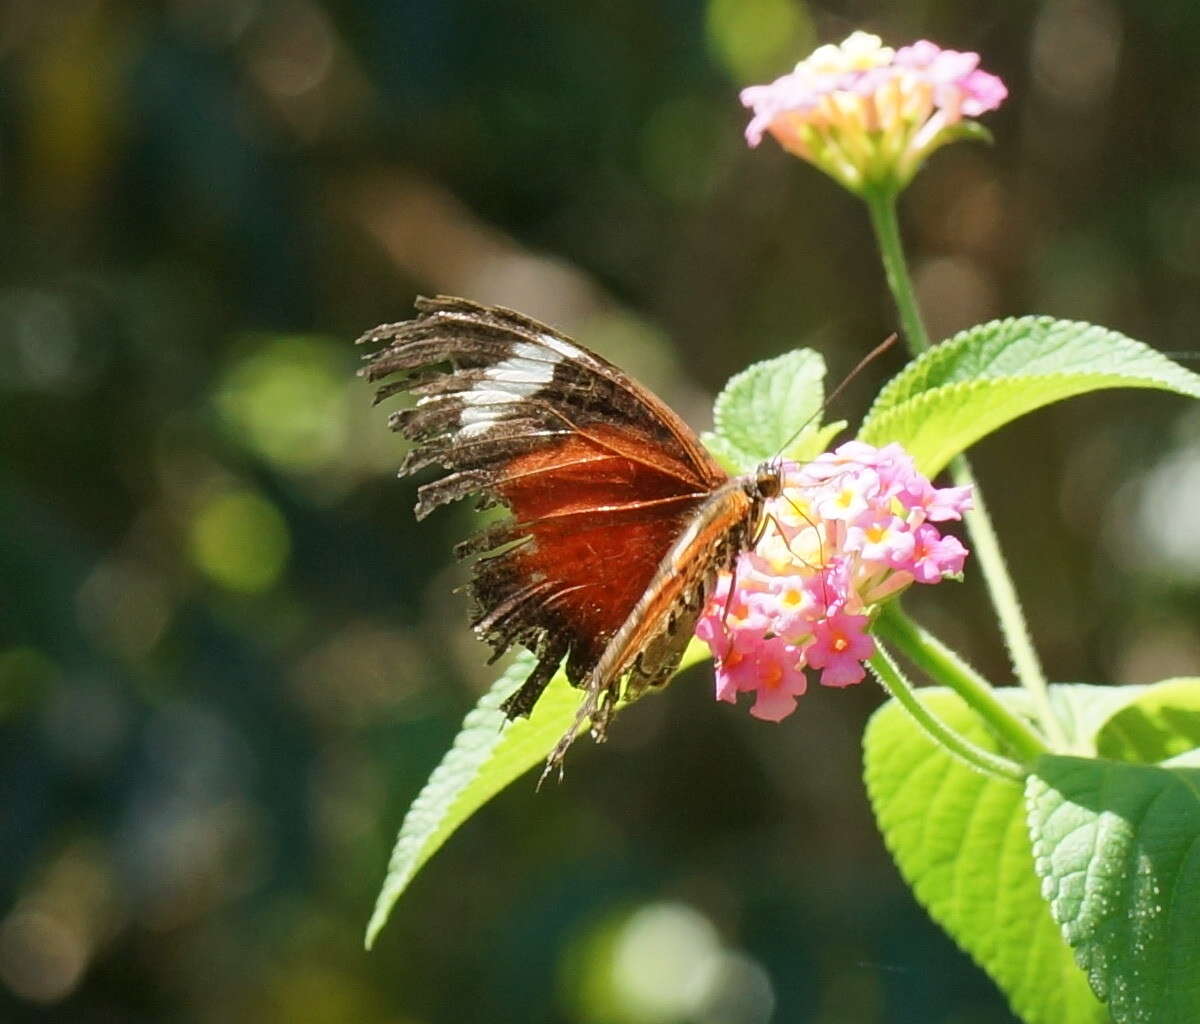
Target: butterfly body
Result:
[621, 520]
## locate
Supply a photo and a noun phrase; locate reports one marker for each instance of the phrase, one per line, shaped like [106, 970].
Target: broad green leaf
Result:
[1083, 708]
[982, 378]
[771, 407]
[959, 839]
[1118, 849]
[1162, 722]
[488, 753]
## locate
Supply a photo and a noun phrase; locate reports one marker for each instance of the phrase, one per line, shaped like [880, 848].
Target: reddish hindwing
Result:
[652, 638]
[711, 540]
[601, 477]
[599, 525]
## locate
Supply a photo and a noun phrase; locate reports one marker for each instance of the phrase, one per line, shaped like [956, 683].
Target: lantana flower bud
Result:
[846, 532]
[869, 115]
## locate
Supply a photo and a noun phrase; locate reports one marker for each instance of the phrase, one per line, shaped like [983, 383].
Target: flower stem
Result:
[892, 680]
[944, 666]
[881, 203]
[1003, 592]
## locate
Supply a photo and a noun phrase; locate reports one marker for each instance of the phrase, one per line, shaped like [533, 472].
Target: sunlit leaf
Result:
[488, 753]
[770, 408]
[959, 838]
[1118, 848]
[982, 378]
[1158, 723]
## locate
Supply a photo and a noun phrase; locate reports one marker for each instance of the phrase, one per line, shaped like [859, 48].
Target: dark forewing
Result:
[600, 476]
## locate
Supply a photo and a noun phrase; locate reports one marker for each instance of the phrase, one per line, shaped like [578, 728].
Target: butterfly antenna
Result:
[833, 396]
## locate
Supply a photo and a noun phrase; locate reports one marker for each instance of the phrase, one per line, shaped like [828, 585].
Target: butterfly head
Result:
[767, 481]
[762, 486]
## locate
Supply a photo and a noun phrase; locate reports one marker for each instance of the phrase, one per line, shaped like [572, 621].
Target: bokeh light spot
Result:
[25, 675]
[957, 291]
[125, 606]
[664, 963]
[359, 674]
[1165, 534]
[737, 990]
[41, 344]
[658, 959]
[758, 39]
[1075, 49]
[1175, 228]
[41, 959]
[684, 148]
[240, 540]
[84, 723]
[287, 401]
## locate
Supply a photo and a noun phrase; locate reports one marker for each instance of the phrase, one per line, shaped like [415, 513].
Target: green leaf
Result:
[771, 408]
[975, 382]
[1118, 849]
[1158, 723]
[959, 839]
[1083, 709]
[488, 753]
[732, 459]
[965, 131]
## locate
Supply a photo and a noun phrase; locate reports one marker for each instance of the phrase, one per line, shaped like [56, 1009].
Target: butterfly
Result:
[620, 518]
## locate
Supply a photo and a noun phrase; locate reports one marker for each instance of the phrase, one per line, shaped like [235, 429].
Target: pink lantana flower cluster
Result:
[867, 114]
[847, 531]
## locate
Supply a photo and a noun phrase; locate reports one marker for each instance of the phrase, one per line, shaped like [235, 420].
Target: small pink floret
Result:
[780, 679]
[936, 556]
[804, 598]
[840, 646]
[983, 91]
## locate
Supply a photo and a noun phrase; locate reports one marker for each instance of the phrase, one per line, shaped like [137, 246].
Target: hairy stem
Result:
[1003, 592]
[893, 681]
[947, 668]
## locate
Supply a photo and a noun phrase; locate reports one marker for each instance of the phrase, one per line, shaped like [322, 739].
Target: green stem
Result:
[1003, 591]
[881, 203]
[944, 666]
[892, 680]
[882, 206]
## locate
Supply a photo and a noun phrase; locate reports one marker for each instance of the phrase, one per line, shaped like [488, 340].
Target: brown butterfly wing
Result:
[600, 476]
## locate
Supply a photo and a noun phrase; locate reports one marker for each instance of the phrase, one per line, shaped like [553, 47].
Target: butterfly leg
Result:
[521, 703]
[596, 708]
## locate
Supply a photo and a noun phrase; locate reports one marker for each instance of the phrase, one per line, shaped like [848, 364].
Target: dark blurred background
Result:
[228, 656]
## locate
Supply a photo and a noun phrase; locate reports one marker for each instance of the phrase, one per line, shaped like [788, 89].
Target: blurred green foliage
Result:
[229, 658]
